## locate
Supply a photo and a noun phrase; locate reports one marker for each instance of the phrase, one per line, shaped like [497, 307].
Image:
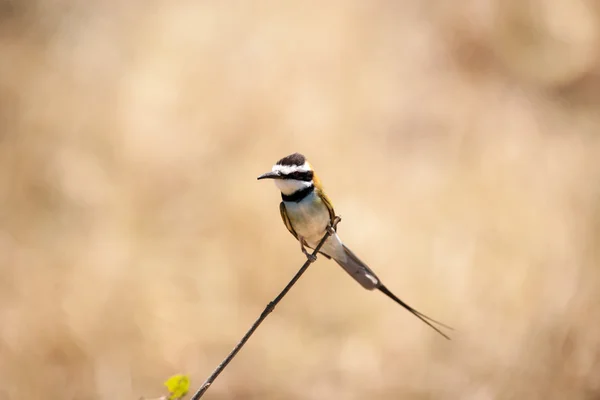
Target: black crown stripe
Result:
[293, 159]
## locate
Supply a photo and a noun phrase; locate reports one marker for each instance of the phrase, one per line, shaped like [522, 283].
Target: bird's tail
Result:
[358, 270]
[367, 278]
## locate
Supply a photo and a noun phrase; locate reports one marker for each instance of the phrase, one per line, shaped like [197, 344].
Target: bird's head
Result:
[291, 174]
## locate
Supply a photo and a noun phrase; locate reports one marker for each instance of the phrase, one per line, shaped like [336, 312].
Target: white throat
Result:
[291, 186]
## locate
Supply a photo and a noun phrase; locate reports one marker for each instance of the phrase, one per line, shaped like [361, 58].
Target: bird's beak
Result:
[270, 175]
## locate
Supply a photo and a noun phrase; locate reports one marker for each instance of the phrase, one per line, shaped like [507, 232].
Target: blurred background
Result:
[459, 142]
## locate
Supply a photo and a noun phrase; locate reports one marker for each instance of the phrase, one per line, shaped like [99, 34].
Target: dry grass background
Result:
[458, 141]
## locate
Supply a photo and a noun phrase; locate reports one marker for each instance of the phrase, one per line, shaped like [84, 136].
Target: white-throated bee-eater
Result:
[307, 212]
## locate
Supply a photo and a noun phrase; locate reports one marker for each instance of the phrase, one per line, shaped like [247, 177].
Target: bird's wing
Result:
[286, 220]
[327, 201]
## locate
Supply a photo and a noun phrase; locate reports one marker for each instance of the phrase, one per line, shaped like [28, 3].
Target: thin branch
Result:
[268, 309]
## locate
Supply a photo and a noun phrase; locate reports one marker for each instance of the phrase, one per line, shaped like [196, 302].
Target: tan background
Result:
[459, 141]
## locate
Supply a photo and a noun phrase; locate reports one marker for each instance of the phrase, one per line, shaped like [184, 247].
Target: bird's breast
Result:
[309, 217]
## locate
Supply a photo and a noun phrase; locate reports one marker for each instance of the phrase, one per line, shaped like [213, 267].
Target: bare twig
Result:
[268, 309]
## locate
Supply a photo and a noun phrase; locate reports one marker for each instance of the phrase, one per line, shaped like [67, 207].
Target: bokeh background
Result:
[458, 140]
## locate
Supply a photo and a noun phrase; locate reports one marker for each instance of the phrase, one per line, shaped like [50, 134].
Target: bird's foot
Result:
[331, 228]
[308, 255]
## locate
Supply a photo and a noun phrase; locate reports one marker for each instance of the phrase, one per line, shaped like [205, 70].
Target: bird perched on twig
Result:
[306, 212]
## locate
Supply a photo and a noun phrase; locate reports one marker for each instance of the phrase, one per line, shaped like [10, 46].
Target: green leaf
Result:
[178, 386]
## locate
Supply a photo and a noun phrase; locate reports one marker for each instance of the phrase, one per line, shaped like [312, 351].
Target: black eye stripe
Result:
[300, 175]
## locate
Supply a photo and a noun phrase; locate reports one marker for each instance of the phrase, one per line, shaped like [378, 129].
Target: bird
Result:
[308, 213]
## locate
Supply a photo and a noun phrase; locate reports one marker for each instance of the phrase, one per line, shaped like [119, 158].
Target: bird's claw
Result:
[311, 257]
[333, 225]
[308, 255]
